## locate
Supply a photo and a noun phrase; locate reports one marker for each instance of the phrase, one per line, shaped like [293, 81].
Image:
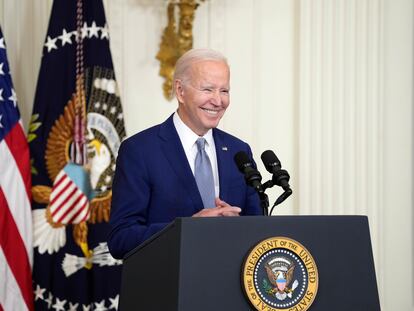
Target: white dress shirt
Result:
[188, 140]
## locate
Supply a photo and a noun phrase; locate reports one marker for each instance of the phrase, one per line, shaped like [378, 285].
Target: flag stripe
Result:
[58, 207]
[68, 197]
[11, 182]
[15, 255]
[75, 211]
[87, 214]
[61, 187]
[16, 141]
[76, 198]
[78, 212]
[10, 297]
[58, 182]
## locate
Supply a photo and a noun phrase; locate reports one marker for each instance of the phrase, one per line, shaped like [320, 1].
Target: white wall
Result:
[327, 84]
[397, 231]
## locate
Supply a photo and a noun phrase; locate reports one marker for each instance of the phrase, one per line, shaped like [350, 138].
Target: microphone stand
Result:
[264, 202]
[280, 199]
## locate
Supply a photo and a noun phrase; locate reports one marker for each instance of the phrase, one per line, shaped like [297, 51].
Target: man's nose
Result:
[218, 99]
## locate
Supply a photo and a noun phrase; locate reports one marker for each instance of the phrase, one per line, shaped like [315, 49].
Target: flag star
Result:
[59, 305]
[105, 32]
[1, 125]
[104, 107]
[51, 44]
[100, 306]
[65, 37]
[112, 110]
[2, 45]
[114, 303]
[86, 307]
[84, 30]
[97, 105]
[97, 83]
[111, 86]
[114, 167]
[73, 307]
[108, 179]
[93, 31]
[104, 83]
[49, 300]
[13, 98]
[1, 69]
[120, 116]
[39, 292]
[104, 188]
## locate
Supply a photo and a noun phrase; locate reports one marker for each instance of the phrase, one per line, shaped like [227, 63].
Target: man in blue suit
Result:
[184, 166]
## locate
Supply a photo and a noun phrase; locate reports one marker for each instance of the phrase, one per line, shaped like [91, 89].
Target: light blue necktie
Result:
[203, 174]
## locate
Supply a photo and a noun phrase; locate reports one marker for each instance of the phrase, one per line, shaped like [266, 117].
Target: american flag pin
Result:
[224, 148]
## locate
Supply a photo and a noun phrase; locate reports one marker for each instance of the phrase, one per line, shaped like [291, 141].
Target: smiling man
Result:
[184, 166]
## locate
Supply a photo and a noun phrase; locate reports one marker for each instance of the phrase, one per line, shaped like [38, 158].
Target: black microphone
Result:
[251, 175]
[272, 164]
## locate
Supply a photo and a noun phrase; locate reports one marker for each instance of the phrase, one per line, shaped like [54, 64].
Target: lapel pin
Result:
[224, 148]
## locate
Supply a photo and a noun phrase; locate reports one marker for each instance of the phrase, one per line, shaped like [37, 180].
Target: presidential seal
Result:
[280, 274]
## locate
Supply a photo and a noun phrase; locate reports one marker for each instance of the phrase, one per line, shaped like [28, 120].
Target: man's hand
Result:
[222, 209]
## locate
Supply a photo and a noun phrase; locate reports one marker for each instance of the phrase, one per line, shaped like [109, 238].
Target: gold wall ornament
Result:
[175, 43]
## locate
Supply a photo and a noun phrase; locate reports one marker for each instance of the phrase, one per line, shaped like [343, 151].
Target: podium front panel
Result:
[212, 252]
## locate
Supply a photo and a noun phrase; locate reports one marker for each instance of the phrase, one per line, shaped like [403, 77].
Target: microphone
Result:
[272, 164]
[251, 175]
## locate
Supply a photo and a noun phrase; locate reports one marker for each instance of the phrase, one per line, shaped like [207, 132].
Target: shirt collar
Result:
[187, 136]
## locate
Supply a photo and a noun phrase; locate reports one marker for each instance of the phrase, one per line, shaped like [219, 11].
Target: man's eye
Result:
[225, 92]
[207, 90]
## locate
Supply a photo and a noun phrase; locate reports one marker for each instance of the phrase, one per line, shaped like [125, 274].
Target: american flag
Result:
[15, 211]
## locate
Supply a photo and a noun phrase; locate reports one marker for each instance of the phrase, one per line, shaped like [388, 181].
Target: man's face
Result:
[204, 98]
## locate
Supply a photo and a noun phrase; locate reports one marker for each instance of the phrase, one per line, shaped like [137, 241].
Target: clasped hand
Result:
[222, 209]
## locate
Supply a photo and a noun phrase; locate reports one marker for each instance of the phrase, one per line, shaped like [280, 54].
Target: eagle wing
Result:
[289, 275]
[271, 276]
[59, 140]
[100, 209]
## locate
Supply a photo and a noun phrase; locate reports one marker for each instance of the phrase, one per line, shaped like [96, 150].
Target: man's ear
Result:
[179, 90]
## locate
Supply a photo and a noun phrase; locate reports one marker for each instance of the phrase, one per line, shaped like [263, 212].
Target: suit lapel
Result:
[174, 152]
[224, 162]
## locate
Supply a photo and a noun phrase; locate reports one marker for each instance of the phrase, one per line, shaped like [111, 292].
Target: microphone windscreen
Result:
[270, 160]
[242, 159]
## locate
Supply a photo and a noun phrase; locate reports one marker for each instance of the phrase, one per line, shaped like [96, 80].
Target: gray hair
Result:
[192, 56]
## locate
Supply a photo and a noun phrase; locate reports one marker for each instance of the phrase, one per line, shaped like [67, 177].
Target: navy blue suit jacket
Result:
[154, 184]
